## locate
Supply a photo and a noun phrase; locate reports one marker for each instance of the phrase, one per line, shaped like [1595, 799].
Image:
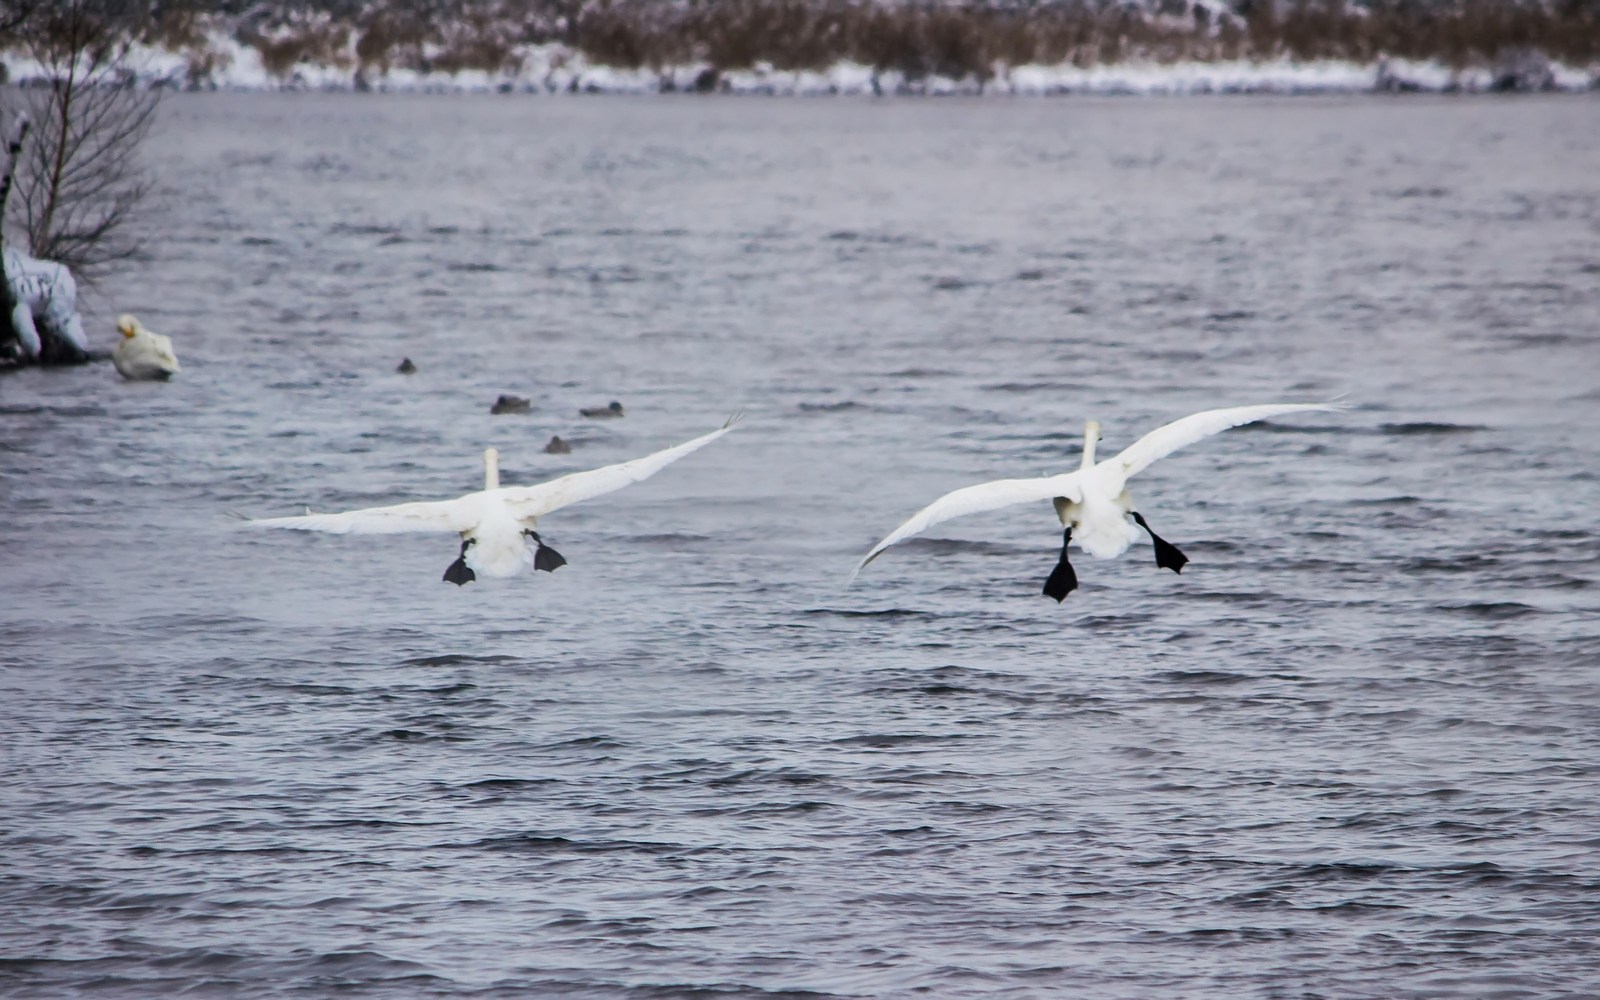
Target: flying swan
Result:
[1093, 501]
[496, 523]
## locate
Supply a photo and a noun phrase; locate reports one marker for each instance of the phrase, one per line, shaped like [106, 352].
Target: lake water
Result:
[1353, 751]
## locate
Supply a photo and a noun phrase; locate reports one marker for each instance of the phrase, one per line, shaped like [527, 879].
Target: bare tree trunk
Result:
[13, 150]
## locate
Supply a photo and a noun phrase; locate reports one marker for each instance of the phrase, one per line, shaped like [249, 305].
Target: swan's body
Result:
[1092, 503]
[142, 355]
[496, 523]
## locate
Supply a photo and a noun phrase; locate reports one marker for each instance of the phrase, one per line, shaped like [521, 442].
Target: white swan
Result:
[1093, 500]
[141, 354]
[496, 523]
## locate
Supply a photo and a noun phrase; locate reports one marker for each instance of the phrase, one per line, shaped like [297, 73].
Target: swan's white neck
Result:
[491, 469]
[1091, 436]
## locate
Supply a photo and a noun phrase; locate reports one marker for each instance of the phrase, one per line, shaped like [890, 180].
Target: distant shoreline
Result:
[849, 47]
[551, 70]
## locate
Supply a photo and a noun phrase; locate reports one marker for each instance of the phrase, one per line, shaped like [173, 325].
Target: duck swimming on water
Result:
[1093, 501]
[509, 404]
[496, 524]
[614, 409]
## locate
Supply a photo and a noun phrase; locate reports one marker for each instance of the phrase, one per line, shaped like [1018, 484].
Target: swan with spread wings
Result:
[1093, 501]
[496, 524]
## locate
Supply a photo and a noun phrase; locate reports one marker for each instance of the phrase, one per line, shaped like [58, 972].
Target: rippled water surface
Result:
[1350, 752]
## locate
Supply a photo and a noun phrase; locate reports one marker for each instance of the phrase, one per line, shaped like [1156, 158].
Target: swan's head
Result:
[1091, 437]
[127, 325]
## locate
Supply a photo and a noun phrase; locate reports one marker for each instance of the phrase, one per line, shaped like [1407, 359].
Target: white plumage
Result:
[142, 355]
[1092, 502]
[496, 523]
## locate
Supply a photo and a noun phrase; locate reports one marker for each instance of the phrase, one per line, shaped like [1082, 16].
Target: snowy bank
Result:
[44, 325]
[227, 64]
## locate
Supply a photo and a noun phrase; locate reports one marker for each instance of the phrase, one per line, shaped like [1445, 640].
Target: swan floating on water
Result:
[497, 523]
[142, 355]
[1093, 501]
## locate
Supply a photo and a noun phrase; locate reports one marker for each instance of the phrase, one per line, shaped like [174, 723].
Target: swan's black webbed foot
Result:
[1063, 580]
[1167, 554]
[458, 573]
[544, 557]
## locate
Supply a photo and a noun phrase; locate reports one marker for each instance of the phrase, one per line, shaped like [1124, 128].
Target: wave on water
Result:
[696, 763]
[1428, 427]
[842, 406]
[45, 409]
[883, 613]
[534, 843]
[1498, 611]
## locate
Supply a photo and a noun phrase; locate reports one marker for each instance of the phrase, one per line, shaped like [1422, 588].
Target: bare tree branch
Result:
[81, 184]
[15, 13]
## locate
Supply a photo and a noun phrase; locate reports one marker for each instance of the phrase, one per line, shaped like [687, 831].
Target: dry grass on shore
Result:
[954, 40]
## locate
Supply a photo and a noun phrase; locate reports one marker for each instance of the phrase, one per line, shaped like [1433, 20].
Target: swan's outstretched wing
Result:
[1168, 438]
[536, 501]
[436, 515]
[975, 500]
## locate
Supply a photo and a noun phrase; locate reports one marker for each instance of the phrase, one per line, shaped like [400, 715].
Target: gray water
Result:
[1352, 751]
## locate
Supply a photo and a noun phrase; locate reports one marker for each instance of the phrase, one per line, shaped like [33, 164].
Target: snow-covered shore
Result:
[224, 63]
